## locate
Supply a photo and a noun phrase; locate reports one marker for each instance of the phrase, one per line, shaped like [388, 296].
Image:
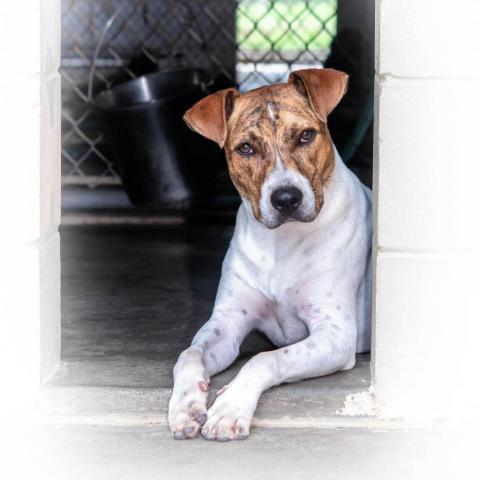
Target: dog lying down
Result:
[298, 267]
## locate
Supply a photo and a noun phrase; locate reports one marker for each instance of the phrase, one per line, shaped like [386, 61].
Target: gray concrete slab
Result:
[317, 400]
[147, 452]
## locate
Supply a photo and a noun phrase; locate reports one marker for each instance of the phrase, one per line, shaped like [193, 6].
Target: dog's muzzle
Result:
[287, 196]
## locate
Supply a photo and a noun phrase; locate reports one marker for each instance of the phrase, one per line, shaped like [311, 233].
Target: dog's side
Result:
[298, 267]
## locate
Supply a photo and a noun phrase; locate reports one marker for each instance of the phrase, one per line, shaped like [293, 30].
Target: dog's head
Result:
[276, 141]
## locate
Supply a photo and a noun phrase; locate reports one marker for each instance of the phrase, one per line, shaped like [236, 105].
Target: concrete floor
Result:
[138, 452]
[132, 299]
[147, 452]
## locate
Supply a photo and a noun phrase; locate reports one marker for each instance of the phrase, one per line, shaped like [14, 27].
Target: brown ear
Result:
[324, 88]
[209, 116]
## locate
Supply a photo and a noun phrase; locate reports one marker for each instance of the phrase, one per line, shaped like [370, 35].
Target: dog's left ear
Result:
[324, 88]
[209, 116]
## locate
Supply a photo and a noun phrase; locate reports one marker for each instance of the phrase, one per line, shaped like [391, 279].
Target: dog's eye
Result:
[307, 136]
[245, 149]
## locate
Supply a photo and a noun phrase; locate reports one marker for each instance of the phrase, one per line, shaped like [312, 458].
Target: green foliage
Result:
[286, 25]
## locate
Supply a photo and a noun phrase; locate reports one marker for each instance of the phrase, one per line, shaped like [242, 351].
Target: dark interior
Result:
[148, 207]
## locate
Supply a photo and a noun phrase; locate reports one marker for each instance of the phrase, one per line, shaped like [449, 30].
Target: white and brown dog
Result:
[298, 267]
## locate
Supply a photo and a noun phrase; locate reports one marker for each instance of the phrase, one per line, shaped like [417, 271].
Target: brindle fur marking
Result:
[251, 123]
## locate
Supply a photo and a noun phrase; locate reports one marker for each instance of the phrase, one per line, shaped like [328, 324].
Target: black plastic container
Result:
[160, 160]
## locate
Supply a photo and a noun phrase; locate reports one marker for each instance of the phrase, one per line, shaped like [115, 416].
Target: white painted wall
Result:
[427, 174]
[29, 197]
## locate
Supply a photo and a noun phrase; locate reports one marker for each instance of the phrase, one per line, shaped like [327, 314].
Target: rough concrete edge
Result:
[367, 405]
[62, 406]
[359, 412]
[360, 404]
[160, 420]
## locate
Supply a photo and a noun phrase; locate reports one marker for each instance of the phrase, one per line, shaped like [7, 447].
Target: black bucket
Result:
[160, 160]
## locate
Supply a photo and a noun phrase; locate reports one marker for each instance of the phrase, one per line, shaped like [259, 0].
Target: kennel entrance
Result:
[138, 283]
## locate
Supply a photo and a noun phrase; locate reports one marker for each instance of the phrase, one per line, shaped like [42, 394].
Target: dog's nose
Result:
[286, 199]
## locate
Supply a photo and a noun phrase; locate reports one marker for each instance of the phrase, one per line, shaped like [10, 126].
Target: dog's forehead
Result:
[270, 103]
[270, 92]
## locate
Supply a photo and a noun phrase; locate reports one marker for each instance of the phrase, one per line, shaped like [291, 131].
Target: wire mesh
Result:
[245, 42]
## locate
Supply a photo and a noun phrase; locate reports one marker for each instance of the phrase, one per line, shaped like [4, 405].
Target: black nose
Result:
[286, 199]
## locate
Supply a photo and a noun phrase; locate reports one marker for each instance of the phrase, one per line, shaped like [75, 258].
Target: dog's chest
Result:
[280, 259]
[286, 271]
[277, 280]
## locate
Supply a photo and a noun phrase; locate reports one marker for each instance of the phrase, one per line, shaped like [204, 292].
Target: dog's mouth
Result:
[281, 219]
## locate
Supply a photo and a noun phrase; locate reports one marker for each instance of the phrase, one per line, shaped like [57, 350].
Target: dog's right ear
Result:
[324, 88]
[209, 116]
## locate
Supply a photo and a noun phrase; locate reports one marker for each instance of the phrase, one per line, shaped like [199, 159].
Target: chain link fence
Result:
[246, 42]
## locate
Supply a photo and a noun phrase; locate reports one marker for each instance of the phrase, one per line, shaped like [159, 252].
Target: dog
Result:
[298, 266]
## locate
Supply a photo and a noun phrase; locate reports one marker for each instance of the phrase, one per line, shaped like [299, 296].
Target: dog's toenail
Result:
[188, 430]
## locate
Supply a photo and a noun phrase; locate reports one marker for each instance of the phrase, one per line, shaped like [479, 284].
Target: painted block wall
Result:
[30, 112]
[427, 226]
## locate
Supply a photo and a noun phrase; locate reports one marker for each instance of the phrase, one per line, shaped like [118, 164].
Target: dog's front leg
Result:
[214, 348]
[329, 347]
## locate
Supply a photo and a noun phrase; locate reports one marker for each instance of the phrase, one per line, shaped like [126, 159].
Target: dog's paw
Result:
[227, 419]
[187, 410]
